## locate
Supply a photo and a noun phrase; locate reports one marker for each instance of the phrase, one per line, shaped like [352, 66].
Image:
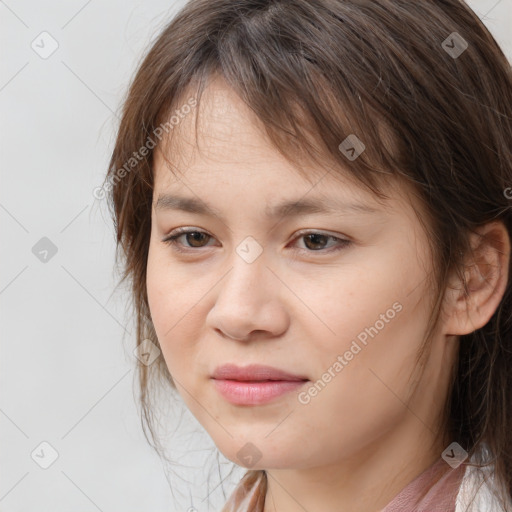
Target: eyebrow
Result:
[286, 209]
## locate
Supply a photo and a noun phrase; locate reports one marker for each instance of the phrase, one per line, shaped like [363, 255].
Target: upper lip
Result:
[253, 372]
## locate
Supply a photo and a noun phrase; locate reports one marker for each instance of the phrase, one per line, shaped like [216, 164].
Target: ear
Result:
[469, 306]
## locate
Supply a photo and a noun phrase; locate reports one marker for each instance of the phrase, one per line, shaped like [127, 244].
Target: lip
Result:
[254, 384]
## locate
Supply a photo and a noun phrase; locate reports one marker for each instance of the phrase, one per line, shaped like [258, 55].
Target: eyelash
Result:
[172, 240]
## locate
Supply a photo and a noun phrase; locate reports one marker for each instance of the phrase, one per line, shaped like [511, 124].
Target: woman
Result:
[312, 206]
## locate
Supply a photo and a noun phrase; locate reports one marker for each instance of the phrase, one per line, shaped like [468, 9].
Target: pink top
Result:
[437, 489]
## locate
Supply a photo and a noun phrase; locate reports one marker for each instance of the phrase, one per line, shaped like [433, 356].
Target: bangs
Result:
[308, 111]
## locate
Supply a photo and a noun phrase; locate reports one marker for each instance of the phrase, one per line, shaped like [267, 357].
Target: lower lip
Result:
[255, 393]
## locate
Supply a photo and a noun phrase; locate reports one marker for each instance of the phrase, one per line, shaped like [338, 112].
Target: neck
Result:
[365, 482]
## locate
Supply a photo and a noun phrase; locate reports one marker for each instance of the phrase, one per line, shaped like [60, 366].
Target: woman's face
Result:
[286, 291]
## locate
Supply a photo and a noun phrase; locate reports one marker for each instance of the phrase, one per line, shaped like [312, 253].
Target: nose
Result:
[249, 304]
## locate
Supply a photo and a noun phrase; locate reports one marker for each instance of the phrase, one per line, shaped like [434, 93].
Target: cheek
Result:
[168, 304]
[365, 372]
[365, 301]
[170, 292]
[368, 393]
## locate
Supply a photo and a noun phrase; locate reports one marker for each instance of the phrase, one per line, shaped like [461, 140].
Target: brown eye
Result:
[315, 241]
[193, 238]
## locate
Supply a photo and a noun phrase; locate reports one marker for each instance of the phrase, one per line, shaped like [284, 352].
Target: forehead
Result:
[226, 145]
[224, 132]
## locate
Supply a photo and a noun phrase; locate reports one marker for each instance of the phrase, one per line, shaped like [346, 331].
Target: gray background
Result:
[66, 367]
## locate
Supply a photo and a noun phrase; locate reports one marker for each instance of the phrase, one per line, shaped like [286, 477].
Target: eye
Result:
[315, 238]
[190, 234]
[195, 238]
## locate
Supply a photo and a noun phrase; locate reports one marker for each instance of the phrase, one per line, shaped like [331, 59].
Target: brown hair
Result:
[314, 72]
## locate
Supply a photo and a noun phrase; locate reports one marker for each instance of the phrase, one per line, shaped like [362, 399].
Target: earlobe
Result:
[470, 305]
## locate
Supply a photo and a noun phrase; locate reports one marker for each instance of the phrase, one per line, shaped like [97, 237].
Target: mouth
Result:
[254, 384]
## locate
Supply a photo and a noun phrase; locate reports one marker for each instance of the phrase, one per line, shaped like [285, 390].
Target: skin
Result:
[376, 425]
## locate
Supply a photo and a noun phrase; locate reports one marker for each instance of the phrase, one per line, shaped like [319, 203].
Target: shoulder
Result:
[479, 492]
